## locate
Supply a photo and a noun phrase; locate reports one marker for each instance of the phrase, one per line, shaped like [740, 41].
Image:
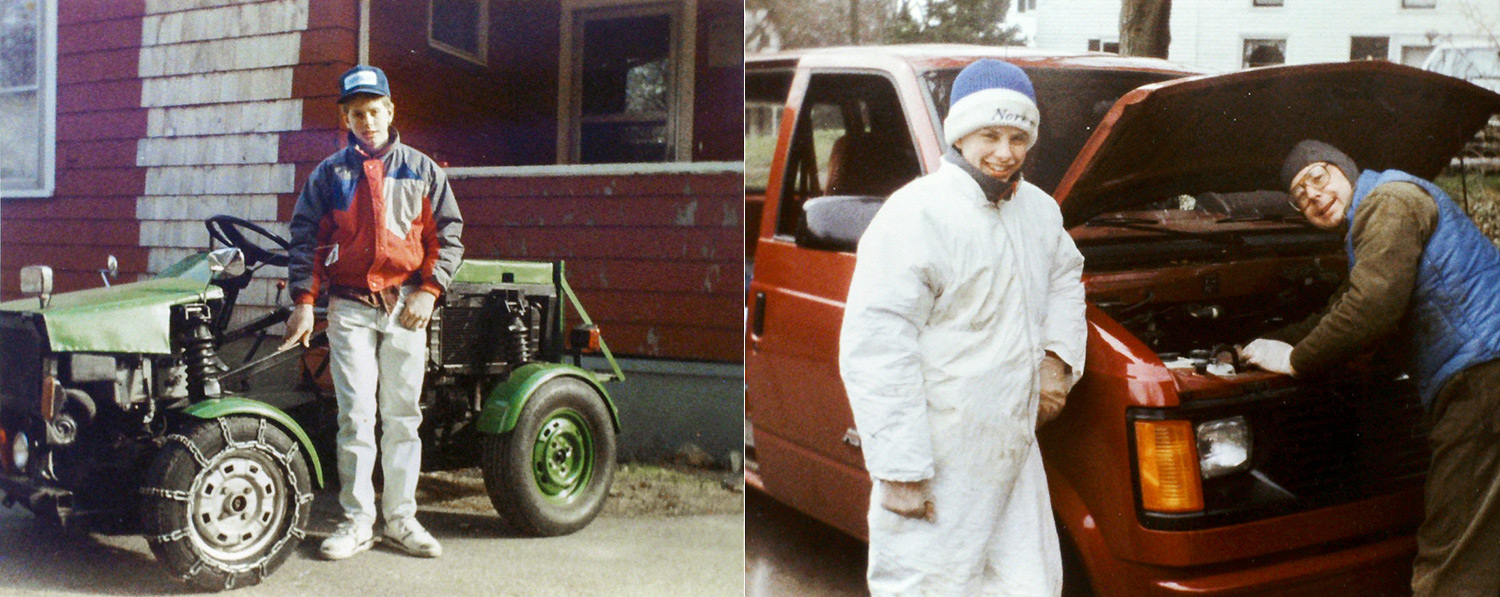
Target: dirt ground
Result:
[638, 490]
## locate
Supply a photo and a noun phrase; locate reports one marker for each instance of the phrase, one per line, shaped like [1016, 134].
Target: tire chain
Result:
[285, 459]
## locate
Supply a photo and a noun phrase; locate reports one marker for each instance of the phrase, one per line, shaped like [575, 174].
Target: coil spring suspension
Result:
[519, 346]
[198, 354]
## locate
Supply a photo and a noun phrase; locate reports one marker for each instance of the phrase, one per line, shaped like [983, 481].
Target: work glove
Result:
[907, 498]
[1054, 377]
[299, 327]
[1272, 355]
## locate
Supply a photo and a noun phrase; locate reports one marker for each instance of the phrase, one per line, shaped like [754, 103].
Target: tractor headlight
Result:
[1223, 446]
[20, 451]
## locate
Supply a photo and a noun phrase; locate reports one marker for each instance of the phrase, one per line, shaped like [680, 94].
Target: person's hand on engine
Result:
[908, 498]
[1054, 388]
[1272, 355]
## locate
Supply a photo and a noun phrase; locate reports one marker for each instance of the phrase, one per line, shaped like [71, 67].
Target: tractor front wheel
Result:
[550, 474]
[226, 501]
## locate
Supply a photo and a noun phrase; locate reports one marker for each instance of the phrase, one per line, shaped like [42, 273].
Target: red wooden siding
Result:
[99, 119]
[655, 258]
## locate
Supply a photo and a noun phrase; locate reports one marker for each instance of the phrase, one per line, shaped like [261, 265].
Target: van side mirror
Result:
[835, 222]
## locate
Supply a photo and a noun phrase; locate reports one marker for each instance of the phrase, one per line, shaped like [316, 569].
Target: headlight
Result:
[20, 451]
[1223, 446]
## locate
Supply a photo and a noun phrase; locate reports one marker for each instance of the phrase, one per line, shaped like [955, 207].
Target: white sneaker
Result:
[408, 534]
[348, 539]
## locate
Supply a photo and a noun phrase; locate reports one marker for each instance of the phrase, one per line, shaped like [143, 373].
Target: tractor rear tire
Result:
[550, 475]
[226, 501]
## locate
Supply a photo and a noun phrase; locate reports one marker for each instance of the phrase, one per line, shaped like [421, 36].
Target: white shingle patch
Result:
[221, 55]
[247, 117]
[215, 88]
[201, 207]
[221, 180]
[225, 149]
[240, 20]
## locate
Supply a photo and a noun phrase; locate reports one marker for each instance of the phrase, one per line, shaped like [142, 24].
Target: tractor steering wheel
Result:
[228, 230]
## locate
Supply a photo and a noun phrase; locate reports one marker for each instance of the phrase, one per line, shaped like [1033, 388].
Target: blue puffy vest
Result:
[1453, 319]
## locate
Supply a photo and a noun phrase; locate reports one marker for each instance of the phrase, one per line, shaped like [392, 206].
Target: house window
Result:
[1415, 55]
[1025, 5]
[460, 27]
[1418, 3]
[1264, 52]
[629, 99]
[28, 84]
[1097, 45]
[1268, 2]
[1369, 48]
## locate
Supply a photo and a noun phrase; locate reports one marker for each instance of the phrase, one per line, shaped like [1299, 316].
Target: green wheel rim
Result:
[562, 458]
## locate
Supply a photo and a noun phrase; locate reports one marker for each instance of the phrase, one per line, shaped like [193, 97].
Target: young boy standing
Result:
[376, 228]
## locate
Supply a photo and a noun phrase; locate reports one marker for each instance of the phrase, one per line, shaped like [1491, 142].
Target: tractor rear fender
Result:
[503, 405]
[223, 407]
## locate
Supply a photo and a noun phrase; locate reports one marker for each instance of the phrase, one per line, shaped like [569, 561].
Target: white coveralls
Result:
[953, 303]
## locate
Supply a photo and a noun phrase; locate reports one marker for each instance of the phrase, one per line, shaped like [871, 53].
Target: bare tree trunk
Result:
[854, 22]
[1144, 29]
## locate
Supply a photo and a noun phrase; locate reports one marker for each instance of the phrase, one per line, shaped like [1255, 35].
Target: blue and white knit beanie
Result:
[989, 93]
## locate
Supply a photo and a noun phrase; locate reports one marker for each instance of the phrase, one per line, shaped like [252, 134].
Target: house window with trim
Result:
[1264, 52]
[627, 86]
[1418, 3]
[460, 27]
[1098, 45]
[1369, 48]
[1268, 3]
[28, 50]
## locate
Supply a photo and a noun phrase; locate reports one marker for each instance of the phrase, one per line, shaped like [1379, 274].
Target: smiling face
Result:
[997, 151]
[1322, 193]
[369, 118]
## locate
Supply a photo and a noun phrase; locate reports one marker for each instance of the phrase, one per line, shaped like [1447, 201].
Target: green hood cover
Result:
[135, 317]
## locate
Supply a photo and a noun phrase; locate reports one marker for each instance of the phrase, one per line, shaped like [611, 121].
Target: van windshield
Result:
[1072, 102]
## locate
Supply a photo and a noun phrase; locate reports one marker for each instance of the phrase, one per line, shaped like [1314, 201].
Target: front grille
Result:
[20, 363]
[1345, 442]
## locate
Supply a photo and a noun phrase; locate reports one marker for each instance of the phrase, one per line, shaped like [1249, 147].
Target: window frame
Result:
[1419, 4]
[1267, 3]
[1244, 54]
[46, 90]
[482, 28]
[575, 15]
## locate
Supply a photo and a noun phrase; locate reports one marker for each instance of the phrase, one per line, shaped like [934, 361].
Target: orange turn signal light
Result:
[5, 457]
[1167, 457]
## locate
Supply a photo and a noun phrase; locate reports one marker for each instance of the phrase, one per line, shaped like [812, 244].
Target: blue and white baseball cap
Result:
[363, 79]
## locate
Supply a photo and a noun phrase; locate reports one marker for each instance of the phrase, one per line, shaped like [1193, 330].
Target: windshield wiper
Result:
[1282, 218]
[1143, 224]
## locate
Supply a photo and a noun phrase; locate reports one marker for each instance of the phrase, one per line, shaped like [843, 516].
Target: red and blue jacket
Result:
[374, 222]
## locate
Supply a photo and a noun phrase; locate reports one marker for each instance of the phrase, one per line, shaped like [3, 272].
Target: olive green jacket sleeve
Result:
[1389, 231]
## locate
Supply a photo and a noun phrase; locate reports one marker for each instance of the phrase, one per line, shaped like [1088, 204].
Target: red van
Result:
[1172, 470]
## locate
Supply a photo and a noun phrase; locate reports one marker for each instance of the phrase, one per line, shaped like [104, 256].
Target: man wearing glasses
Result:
[1420, 274]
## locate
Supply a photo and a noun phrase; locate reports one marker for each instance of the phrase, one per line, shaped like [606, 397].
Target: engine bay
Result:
[1192, 317]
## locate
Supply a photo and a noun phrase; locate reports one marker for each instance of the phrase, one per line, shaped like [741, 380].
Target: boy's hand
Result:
[299, 327]
[418, 309]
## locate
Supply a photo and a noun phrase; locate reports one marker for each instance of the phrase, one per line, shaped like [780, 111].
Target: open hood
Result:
[1230, 132]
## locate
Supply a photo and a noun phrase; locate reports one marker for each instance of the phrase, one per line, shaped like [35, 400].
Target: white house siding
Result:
[216, 76]
[1211, 33]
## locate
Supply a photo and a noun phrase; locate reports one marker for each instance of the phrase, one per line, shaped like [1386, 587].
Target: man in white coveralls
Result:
[963, 332]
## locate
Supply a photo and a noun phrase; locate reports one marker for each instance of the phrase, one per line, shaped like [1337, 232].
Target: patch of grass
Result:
[1478, 192]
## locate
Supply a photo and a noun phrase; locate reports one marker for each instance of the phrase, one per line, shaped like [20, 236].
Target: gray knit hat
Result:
[1309, 151]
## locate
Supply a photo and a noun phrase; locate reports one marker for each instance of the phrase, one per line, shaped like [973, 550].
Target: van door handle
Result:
[758, 315]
